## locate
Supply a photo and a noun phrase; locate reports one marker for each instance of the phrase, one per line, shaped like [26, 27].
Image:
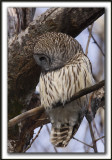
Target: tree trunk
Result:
[19, 19]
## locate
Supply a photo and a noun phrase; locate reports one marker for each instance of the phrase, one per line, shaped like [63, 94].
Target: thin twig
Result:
[82, 142]
[97, 130]
[99, 138]
[89, 37]
[93, 139]
[47, 128]
[49, 134]
[96, 42]
[90, 126]
[38, 110]
[33, 139]
[85, 134]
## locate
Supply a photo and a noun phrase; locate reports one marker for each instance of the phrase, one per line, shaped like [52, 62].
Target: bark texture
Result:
[19, 19]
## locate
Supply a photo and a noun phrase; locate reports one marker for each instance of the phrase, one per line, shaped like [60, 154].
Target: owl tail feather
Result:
[61, 136]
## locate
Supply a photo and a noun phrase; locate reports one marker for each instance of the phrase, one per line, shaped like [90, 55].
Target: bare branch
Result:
[97, 130]
[23, 116]
[90, 116]
[93, 139]
[96, 42]
[36, 111]
[82, 142]
[89, 37]
[99, 138]
[33, 139]
[87, 90]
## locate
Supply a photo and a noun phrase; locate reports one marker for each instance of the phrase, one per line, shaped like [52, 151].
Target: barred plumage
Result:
[65, 71]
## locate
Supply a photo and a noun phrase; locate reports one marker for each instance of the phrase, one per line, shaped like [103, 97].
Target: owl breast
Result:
[60, 85]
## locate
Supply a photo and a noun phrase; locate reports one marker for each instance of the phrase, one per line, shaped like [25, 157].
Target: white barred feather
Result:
[64, 84]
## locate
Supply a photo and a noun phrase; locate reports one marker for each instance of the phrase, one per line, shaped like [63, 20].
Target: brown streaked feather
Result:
[61, 136]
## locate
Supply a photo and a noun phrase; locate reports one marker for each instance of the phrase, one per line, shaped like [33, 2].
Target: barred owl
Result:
[65, 71]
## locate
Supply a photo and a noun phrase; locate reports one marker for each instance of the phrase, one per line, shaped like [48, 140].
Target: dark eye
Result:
[42, 59]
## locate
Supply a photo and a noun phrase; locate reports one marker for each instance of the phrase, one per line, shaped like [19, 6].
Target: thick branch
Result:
[35, 111]
[38, 110]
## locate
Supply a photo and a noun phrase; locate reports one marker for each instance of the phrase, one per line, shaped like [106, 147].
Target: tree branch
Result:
[87, 91]
[38, 110]
[96, 42]
[99, 138]
[93, 138]
[82, 142]
[89, 38]
[35, 111]
[33, 139]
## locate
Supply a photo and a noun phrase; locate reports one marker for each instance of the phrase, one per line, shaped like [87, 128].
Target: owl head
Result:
[53, 50]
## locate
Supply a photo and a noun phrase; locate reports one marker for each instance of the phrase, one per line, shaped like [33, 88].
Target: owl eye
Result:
[42, 59]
